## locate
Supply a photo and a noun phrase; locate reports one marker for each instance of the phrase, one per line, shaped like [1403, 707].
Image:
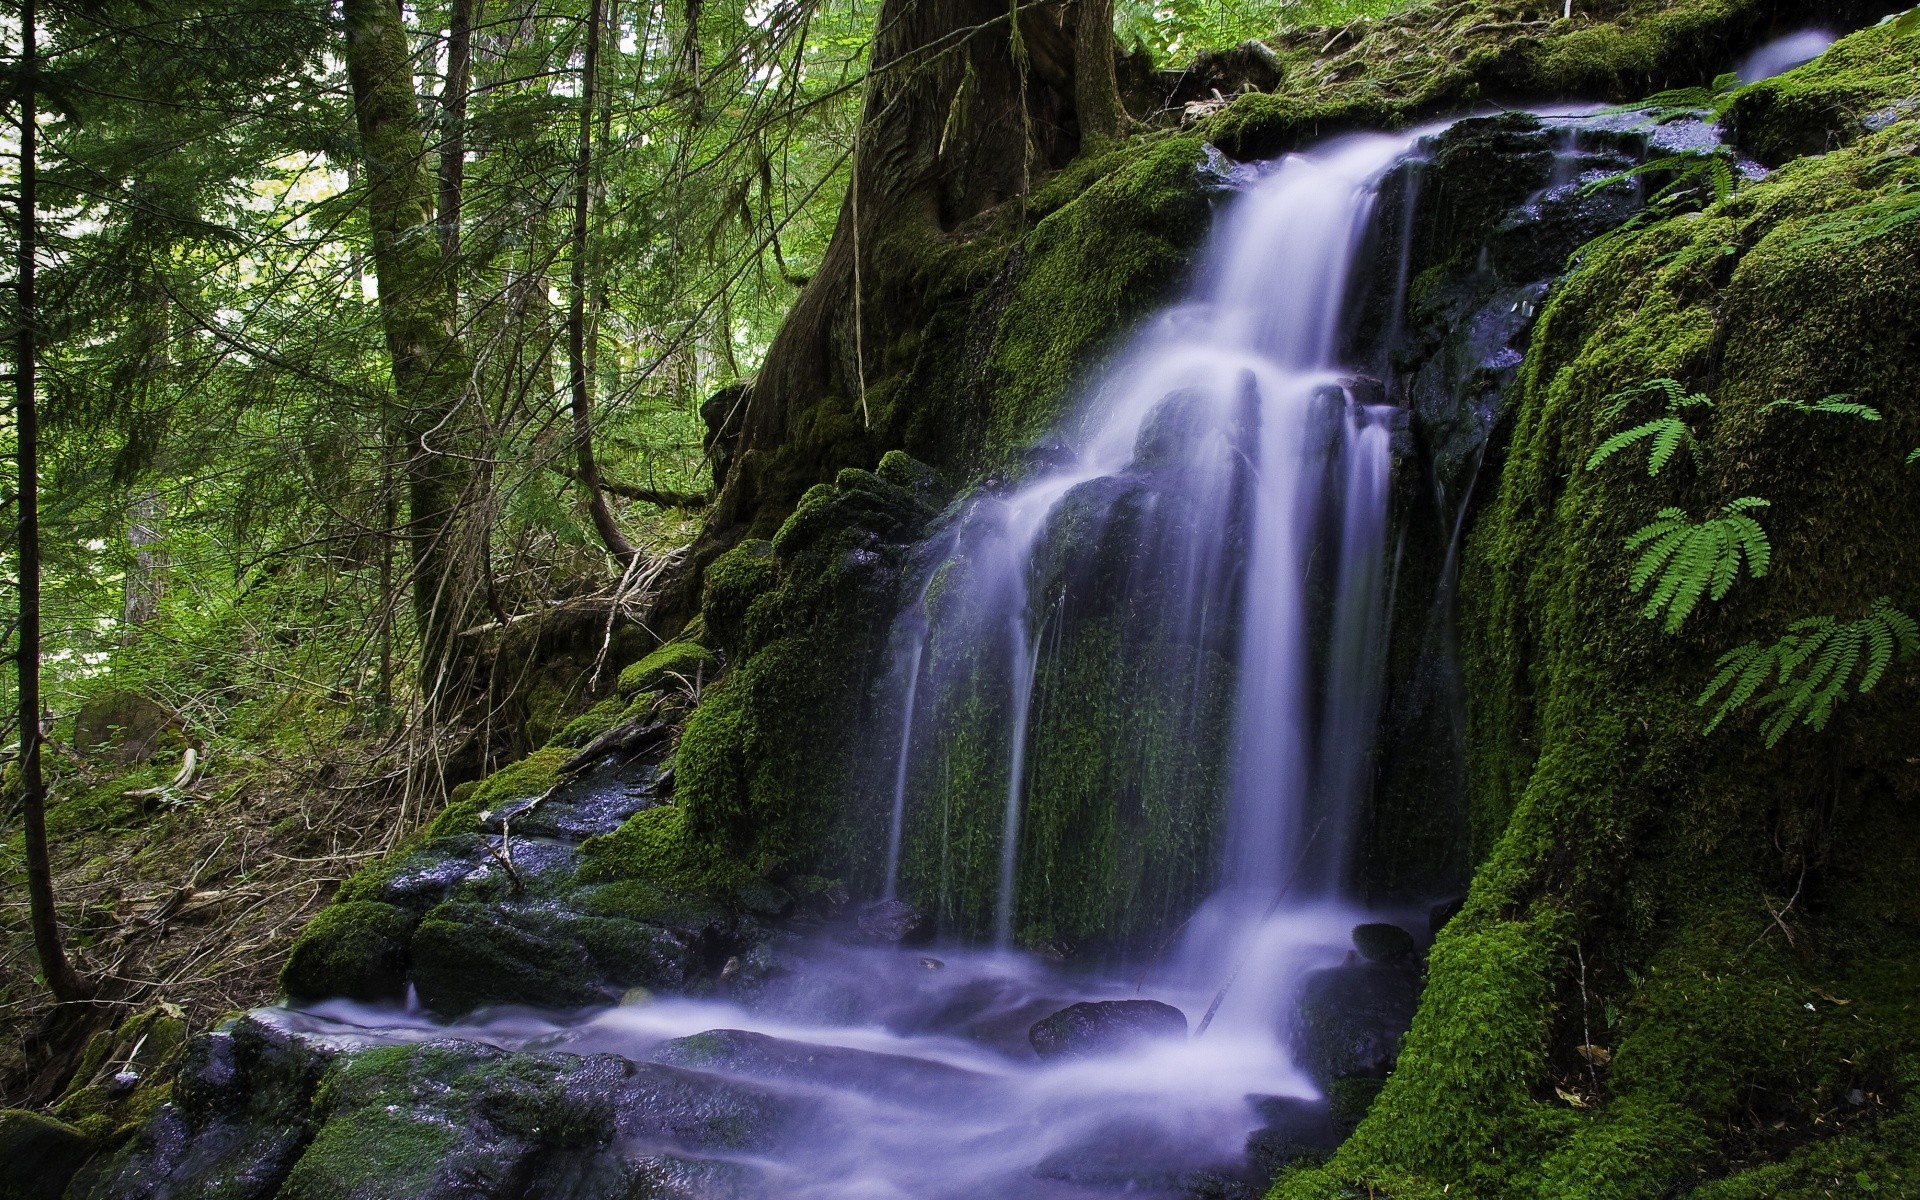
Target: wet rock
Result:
[1349, 1099]
[239, 1118]
[889, 922]
[124, 726]
[1102, 1026]
[469, 955]
[1294, 1130]
[1381, 942]
[38, 1155]
[597, 802]
[739, 1052]
[357, 949]
[1351, 1019]
[1132, 1155]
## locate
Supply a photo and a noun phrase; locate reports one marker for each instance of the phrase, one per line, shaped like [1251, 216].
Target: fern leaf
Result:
[1839, 404]
[1813, 665]
[1684, 561]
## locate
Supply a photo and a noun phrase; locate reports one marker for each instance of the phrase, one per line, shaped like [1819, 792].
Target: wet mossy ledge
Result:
[1688, 962]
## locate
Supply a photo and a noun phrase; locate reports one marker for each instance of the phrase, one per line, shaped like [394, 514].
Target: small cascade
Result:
[1237, 472]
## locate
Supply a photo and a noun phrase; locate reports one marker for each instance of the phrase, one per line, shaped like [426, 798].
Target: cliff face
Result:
[1685, 960]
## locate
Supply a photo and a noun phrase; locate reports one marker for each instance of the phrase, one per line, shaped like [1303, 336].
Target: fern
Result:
[1683, 560]
[1864, 222]
[1668, 432]
[1840, 404]
[1810, 668]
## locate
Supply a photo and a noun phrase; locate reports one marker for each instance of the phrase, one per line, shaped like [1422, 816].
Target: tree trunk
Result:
[954, 123]
[62, 980]
[438, 419]
[453, 137]
[1096, 86]
[578, 333]
[146, 579]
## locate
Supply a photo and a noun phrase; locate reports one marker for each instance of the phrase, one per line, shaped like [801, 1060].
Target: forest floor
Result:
[185, 896]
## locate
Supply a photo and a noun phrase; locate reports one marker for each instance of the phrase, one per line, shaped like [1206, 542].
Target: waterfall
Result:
[1240, 470]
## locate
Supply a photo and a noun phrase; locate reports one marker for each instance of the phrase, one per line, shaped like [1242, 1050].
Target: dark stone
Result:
[38, 1155]
[469, 955]
[239, 1118]
[739, 1052]
[1349, 1099]
[1294, 1131]
[1351, 1019]
[124, 727]
[889, 922]
[1103, 1026]
[1381, 942]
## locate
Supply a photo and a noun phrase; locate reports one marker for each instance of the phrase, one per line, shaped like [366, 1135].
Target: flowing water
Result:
[1272, 466]
[1245, 471]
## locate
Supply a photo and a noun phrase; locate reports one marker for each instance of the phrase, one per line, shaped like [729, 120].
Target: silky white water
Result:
[926, 1085]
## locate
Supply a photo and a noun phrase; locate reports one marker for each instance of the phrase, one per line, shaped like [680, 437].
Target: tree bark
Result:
[436, 414]
[453, 137]
[580, 386]
[954, 123]
[62, 980]
[1096, 85]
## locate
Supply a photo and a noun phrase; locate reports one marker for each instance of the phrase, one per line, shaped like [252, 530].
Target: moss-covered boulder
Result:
[468, 955]
[357, 949]
[673, 662]
[38, 1155]
[239, 1117]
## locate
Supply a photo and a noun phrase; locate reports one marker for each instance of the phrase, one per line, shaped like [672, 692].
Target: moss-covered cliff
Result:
[1686, 955]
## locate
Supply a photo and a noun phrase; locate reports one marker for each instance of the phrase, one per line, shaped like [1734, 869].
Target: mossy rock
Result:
[126, 727]
[38, 1155]
[1632, 868]
[468, 955]
[590, 724]
[125, 1073]
[531, 776]
[357, 949]
[668, 665]
[731, 584]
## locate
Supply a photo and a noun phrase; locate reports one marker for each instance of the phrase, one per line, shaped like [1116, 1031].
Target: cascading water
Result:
[1250, 472]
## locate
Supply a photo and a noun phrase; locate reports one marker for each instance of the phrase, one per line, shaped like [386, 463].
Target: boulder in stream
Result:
[1102, 1026]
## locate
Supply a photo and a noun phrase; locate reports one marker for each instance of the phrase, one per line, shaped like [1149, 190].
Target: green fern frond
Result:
[1683, 561]
[1864, 222]
[1668, 433]
[1914, 457]
[1812, 666]
[1839, 404]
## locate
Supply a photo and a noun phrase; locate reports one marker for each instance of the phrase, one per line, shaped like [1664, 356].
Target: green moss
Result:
[373, 1142]
[1092, 267]
[1689, 903]
[38, 1155]
[1863, 83]
[669, 865]
[675, 660]
[732, 583]
[357, 949]
[531, 776]
[590, 724]
[546, 708]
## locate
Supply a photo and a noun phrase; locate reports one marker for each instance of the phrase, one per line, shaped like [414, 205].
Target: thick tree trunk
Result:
[957, 119]
[578, 334]
[1096, 86]
[437, 417]
[62, 980]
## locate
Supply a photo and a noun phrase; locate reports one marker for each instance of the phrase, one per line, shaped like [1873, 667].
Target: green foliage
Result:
[1668, 432]
[1684, 560]
[1839, 404]
[1810, 668]
[1876, 218]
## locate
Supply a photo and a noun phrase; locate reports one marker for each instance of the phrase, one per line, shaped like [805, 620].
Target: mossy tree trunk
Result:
[963, 111]
[436, 414]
